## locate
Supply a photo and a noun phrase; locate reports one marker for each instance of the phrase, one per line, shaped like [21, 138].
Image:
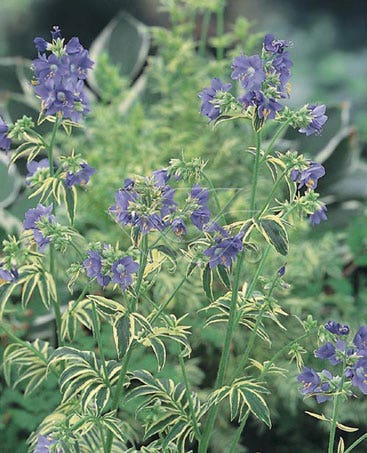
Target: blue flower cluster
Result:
[308, 178]
[60, 76]
[33, 218]
[353, 354]
[265, 79]
[148, 204]
[105, 268]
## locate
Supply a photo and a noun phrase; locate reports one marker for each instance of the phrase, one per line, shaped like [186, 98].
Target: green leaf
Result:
[257, 405]
[208, 282]
[274, 232]
[159, 350]
[223, 275]
[123, 333]
[70, 198]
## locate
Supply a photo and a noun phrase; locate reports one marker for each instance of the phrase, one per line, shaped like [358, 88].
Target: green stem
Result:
[252, 338]
[255, 173]
[55, 302]
[121, 379]
[217, 202]
[164, 305]
[238, 433]
[51, 146]
[220, 29]
[104, 445]
[265, 369]
[204, 32]
[277, 134]
[273, 190]
[335, 412]
[203, 445]
[96, 328]
[189, 396]
[357, 442]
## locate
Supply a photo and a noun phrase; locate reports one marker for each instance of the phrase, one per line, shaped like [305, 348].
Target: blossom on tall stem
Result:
[32, 219]
[80, 177]
[201, 215]
[93, 267]
[308, 177]
[318, 216]
[249, 71]
[225, 250]
[59, 77]
[317, 120]
[122, 271]
[210, 106]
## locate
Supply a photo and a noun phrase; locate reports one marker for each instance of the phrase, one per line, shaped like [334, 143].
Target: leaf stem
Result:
[96, 329]
[203, 445]
[277, 134]
[126, 361]
[357, 442]
[55, 302]
[255, 173]
[335, 412]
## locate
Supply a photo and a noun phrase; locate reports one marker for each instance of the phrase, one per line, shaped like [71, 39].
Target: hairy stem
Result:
[277, 134]
[97, 333]
[56, 304]
[255, 174]
[334, 417]
[126, 361]
[203, 446]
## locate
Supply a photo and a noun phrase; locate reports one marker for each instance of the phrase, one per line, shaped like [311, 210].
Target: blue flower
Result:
[317, 119]
[273, 45]
[43, 445]
[266, 107]
[309, 379]
[281, 271]
[122, 270]
[209, 104]
[80, 177]
[327, 352]
[359, 379]
[249, 71]
[282, 67]
[225, 250]
[201, 215]
[59, 79]
[33, 217]
[360, 341]
[5, 142]
[179, 227]
[316, 217]
[8, 275]
[308, 177]
[336, 328]
[33, 166]
[93, 266]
